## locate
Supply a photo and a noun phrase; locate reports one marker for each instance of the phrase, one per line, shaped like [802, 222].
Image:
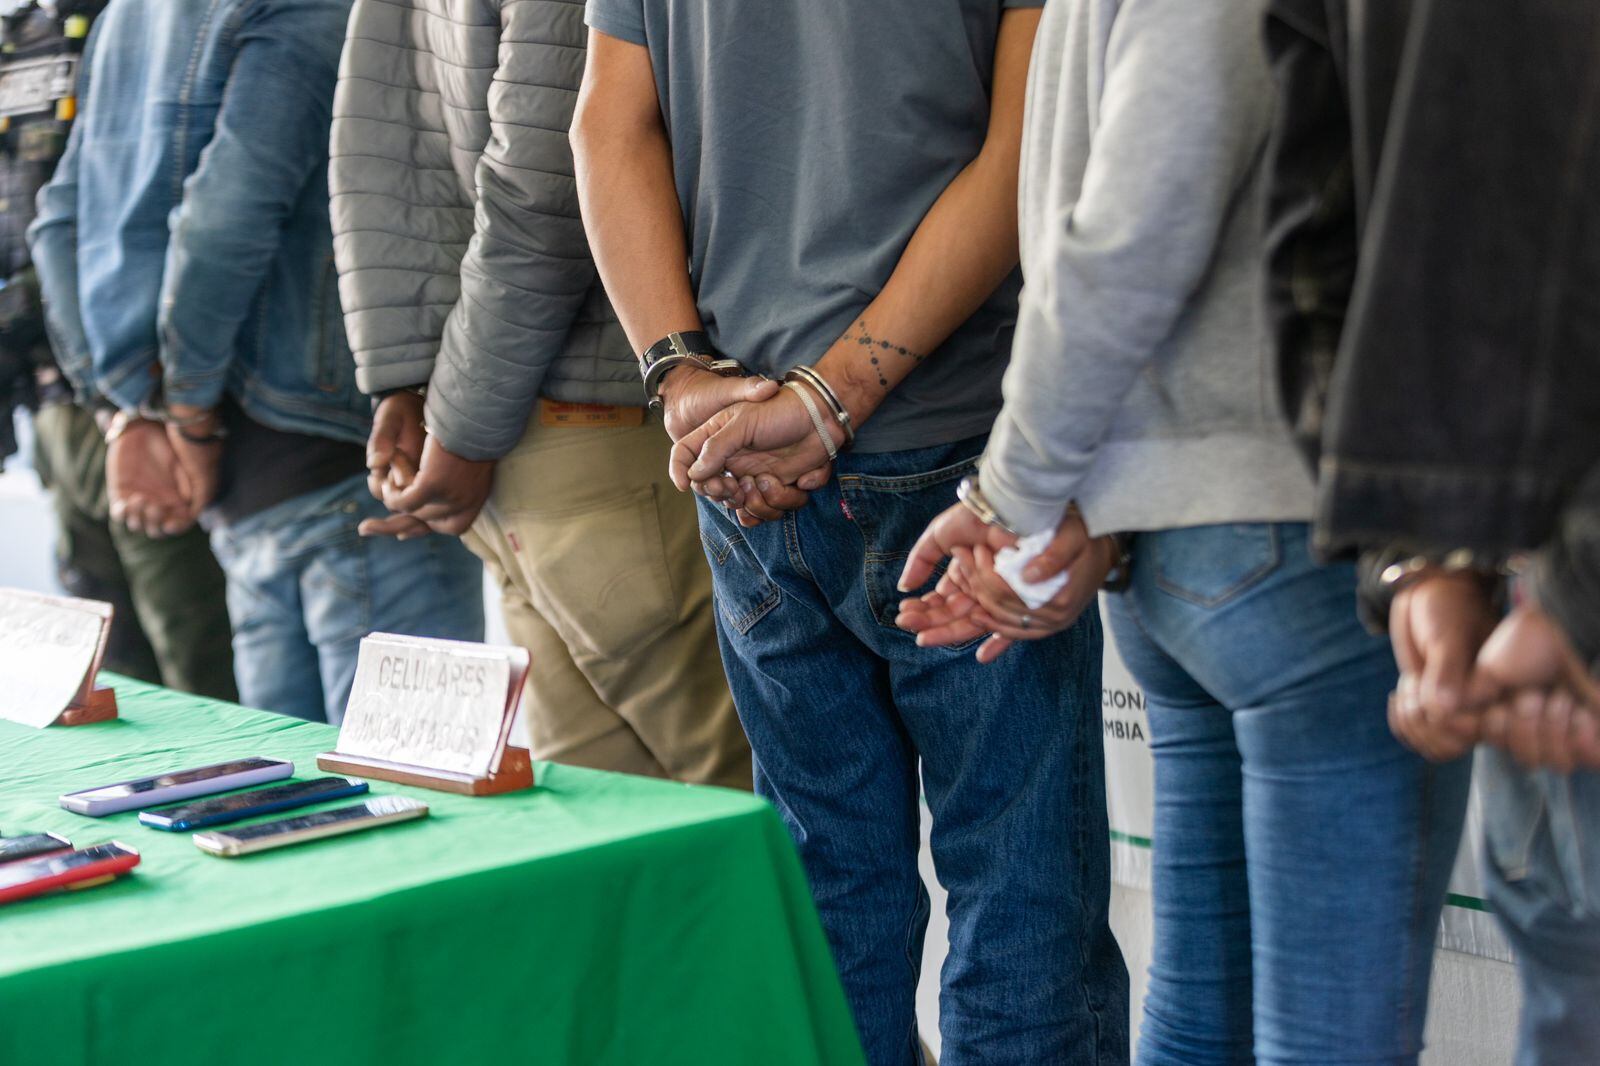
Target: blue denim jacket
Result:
[184, 241]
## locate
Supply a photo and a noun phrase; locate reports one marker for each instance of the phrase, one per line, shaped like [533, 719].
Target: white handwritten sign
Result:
[50, 649]
[439, 704]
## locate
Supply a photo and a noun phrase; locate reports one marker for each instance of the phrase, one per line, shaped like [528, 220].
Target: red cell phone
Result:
[19, 880]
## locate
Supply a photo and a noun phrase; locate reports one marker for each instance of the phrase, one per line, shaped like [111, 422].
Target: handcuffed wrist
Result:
[818, 384]
[1384, 574]
[818, 423]
[1024, 514]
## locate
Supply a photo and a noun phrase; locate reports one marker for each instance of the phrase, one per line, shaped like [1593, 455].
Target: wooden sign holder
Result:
[99, 705]
[91, 702]
[513, 773]
[510, 767]
[94, 702]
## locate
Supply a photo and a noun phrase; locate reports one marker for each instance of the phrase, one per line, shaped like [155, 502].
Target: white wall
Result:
[26, 535]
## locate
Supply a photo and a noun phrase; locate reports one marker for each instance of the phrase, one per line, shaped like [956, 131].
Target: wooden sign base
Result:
[514, 773]
[101, 706]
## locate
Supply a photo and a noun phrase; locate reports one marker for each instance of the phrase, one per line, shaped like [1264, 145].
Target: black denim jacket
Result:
[1445, 381]
[1449, 388]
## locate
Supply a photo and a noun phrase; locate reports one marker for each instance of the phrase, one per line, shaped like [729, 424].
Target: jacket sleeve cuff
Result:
[460, 435]
[132, 386]
[201, 392]
[1024, 513]
[387, 377]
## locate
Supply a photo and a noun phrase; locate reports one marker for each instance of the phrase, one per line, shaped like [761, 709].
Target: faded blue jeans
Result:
[842, 708]
[304, 588]
[1301, 853]
[1542, 869]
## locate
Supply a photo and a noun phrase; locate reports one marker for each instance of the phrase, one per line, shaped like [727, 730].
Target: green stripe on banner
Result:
[1469, 903]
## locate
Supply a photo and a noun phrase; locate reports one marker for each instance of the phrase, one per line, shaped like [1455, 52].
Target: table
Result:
[599, 918]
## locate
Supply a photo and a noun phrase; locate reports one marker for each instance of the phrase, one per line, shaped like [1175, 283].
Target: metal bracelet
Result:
[658, 370]
[1397, 575]
[816, 418]
[1120, 576]
[975, 501]
[841, 414]
[120, 423]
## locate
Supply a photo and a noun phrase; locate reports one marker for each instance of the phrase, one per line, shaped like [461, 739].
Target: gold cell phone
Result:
[264, 836]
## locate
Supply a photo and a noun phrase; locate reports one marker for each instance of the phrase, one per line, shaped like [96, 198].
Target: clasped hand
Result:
[746, 443]
[971, 599]
[1469, 676]
[426, 487]
[157, 479]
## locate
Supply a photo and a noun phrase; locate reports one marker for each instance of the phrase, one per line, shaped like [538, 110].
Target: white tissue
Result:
[1010, 562]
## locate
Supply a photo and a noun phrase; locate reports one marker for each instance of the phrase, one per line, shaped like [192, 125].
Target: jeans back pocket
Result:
[892, 512]
[743, 592]
[1210, 565]
[600, 570]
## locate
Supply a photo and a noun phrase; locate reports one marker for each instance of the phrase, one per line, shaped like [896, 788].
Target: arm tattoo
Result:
[879, 348]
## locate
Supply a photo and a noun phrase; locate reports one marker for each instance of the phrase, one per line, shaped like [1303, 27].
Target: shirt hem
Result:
[1148, 485]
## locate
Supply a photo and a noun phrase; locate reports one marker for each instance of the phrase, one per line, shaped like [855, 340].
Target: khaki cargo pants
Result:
[604, 581]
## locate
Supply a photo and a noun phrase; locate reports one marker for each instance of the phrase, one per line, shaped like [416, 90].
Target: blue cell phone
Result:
[220, 810]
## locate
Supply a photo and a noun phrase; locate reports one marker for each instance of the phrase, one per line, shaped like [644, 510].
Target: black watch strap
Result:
[678, 349]
[695, 342]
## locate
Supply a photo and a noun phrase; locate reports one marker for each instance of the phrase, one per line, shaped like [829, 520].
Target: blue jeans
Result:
[304, 588]
[1542, 871]
[1301, 853]
[841, 706]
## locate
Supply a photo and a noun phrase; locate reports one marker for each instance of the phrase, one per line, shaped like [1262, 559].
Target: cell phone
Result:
[19, 880]
[176, 785]
[383, 810]
[15, 849]
[220, 810]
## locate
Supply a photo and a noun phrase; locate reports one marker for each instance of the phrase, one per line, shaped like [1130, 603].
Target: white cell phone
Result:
[264, 836]
[174, 786]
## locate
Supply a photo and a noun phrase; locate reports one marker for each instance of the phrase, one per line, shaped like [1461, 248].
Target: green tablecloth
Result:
[597, 919]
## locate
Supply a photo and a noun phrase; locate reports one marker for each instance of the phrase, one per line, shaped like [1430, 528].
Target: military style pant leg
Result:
[168, 592]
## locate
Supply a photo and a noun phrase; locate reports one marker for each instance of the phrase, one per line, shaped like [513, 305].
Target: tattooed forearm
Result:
[879, 348]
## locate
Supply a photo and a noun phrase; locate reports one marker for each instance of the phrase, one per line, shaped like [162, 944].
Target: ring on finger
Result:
[1027, 620]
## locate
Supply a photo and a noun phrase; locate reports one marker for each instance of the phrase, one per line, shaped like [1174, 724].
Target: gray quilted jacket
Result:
[462, 259]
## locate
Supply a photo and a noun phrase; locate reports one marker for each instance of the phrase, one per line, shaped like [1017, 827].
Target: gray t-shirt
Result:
[809, 140]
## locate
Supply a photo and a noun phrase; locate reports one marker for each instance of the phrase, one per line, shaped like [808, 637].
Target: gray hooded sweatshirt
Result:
[1141, 380]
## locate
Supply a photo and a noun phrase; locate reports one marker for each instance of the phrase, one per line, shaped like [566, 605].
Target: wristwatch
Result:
[677, 349]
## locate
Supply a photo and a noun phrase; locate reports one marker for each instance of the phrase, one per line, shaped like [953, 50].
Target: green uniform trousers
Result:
[171, 625]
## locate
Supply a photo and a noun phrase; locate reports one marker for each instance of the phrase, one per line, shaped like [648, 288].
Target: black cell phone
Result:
[220, 810]
[15, 849]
